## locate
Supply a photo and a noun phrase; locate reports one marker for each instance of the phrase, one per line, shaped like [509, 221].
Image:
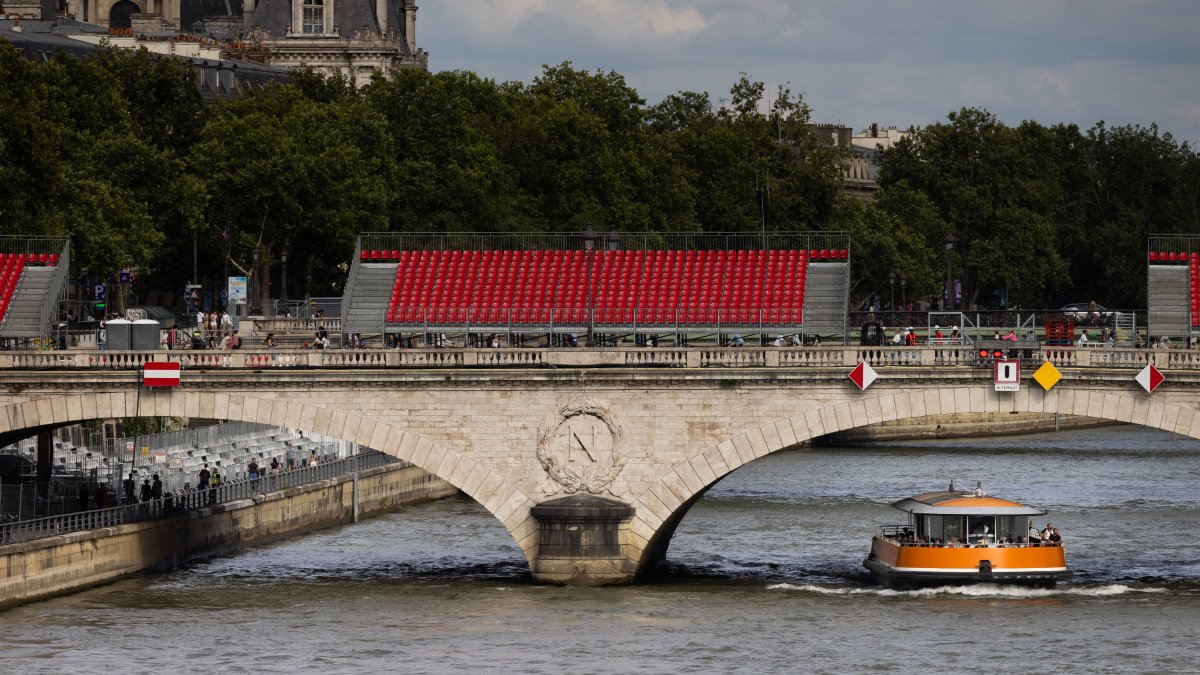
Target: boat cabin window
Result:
[1010, 528]
[945, 528]
[982, 528]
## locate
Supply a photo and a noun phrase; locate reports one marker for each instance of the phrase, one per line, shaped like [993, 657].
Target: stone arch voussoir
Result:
[483, 483]
[663, 504]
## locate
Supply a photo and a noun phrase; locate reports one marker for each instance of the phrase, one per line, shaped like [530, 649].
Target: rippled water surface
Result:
[764, 575]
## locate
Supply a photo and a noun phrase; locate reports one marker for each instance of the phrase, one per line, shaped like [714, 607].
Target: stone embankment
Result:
[44, 568]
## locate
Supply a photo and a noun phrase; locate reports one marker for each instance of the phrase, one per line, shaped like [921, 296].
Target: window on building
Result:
[314, 16]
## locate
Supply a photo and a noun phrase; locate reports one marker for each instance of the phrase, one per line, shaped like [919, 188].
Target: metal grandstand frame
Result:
[825, 247]
[630, 241]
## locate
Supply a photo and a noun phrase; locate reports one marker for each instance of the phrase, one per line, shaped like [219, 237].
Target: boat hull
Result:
[912, 566]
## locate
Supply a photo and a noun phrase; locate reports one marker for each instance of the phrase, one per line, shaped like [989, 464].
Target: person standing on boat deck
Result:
[1046, 533]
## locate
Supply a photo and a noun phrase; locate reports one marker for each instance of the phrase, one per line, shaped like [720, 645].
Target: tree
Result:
[999, 190]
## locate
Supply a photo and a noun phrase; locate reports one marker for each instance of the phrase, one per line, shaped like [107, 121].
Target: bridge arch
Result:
[661, 507]
[483, 483]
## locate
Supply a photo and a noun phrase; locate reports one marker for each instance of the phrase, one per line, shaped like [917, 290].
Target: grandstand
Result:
[33, 275]
[582, 284]
[1173, 285]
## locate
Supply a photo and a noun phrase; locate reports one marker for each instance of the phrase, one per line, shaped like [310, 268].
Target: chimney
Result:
[410, 25]
[381, 13]
[874, 129]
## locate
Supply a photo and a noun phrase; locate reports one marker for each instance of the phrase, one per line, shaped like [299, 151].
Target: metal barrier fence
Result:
[39, 528]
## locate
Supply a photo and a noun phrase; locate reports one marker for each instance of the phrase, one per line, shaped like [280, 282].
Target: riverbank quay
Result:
[58, 565]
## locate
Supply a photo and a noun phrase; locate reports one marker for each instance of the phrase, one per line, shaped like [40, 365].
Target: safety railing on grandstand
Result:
[388, 242]
[945, 353]
[178, 502]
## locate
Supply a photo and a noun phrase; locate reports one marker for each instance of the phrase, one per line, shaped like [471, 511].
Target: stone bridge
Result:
[589, 458]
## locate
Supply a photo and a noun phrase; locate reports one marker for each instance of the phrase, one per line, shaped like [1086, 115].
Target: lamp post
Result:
[613, 240]
[254, 283]
[903, 292]
[589, 242]
[283, 258]
[892, 290]
[948, 298]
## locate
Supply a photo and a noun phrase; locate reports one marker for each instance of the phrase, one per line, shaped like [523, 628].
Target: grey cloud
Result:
[899, 62]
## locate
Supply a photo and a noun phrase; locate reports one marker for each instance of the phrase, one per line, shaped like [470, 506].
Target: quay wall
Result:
[963, 425]
[63, 564]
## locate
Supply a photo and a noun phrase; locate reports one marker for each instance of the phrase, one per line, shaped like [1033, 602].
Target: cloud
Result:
[612, 20]
[903, 62]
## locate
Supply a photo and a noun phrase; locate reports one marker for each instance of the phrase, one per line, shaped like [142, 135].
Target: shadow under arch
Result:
[496, 493]
[661, 507]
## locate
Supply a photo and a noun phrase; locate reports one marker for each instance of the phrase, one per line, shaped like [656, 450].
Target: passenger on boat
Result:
[1046, 533]
[1055, 537]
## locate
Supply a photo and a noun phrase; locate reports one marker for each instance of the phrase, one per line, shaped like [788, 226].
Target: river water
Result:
[764, 575]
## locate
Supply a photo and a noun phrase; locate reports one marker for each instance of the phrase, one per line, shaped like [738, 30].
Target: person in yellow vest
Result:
[214, 482]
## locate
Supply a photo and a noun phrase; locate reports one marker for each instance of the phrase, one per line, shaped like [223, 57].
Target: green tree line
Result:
[119, 152]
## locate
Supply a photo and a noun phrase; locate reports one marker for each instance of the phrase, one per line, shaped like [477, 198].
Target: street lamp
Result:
[613, 240]
[589, 242]
[892, 290]
[903, 293]
[283, 258]
[255, 284]
[948, 242]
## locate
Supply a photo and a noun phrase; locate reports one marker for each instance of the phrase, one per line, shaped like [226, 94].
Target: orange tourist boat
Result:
[965, 537]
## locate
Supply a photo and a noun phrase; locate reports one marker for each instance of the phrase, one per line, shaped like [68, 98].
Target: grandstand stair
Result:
[1168, 294]
[369, 293]
[24, 317]
[825, 298]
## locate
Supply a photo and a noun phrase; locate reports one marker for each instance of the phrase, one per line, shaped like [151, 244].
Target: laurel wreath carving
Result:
[593, 479]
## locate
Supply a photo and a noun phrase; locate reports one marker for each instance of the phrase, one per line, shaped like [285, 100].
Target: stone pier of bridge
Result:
[589, 467]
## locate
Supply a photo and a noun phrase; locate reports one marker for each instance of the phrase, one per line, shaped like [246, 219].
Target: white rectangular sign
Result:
[1007, 376]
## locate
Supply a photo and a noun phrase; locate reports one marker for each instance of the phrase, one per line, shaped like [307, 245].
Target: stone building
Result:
[354, 38]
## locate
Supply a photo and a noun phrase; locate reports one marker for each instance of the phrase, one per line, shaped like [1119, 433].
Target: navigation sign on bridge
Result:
[160, 374]
[863, 375]
[1007, 375]
[1149, 377]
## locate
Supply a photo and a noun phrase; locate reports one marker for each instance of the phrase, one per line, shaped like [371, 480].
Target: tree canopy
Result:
[119, 152]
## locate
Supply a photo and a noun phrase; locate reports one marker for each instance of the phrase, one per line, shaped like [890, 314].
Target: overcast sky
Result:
[896, 62]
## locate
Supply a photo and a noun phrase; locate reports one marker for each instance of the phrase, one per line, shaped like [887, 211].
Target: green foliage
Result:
[119, 152]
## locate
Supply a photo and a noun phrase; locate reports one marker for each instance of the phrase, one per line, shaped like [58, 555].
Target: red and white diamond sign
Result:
[160, 374]
[863, 375]
[1149, 378]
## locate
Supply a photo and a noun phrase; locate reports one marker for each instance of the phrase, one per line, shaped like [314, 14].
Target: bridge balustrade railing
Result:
[924, 355]
[229, 491]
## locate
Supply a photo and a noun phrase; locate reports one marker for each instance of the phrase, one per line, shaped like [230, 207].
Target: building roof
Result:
[218, 78]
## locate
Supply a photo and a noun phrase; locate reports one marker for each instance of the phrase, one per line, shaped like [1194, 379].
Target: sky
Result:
[895, 62]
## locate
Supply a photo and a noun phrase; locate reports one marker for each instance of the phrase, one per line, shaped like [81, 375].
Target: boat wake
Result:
[975, 591]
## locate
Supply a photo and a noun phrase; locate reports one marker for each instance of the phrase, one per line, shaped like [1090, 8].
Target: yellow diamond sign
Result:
[1047, 375]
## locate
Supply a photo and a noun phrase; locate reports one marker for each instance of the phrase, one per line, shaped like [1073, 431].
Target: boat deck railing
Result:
[903, 536]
